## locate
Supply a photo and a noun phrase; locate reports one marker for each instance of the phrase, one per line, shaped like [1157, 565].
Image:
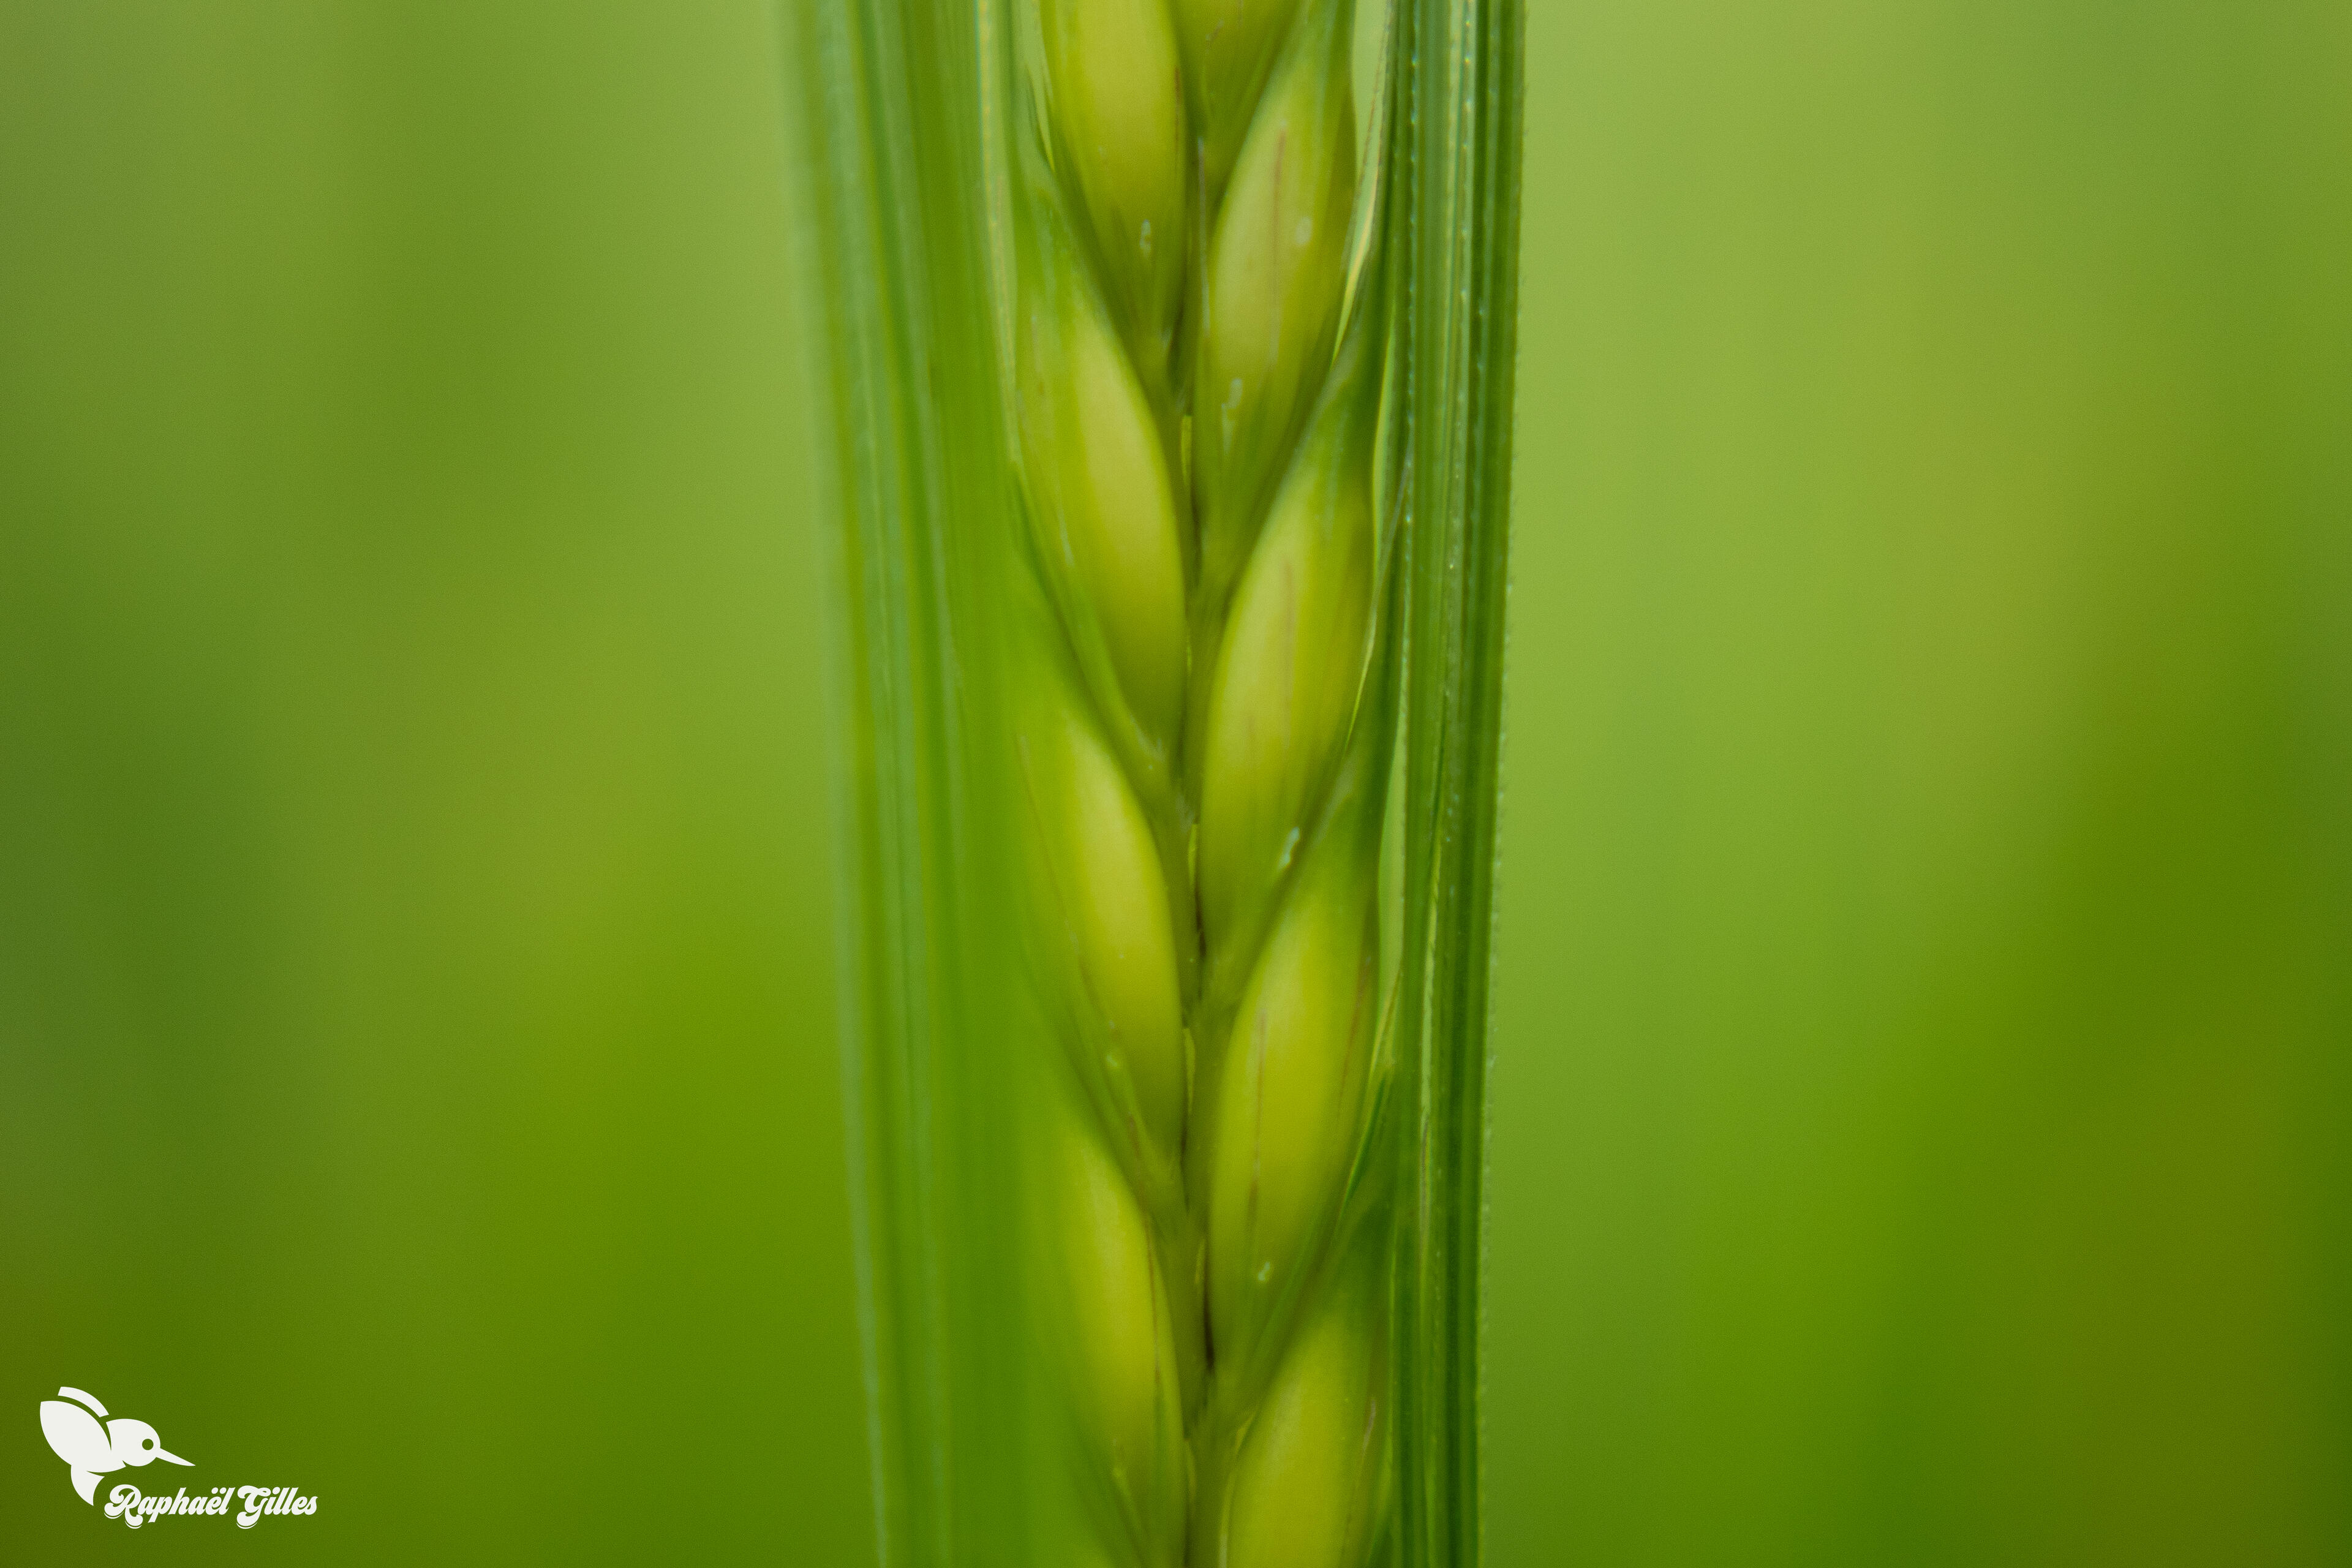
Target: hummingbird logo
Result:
[91, 1449]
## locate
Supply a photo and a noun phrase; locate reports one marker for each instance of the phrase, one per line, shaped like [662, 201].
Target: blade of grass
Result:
[1458, 209]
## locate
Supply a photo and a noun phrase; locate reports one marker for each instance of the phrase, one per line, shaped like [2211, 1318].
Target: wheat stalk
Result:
[1146, 750]
[1201, 762]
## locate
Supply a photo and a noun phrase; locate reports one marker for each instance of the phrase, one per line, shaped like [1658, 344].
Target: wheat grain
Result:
[1203, 762]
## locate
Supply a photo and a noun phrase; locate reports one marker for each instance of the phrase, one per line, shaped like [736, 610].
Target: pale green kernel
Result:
[1125, 1367]
[1287, 677]
[1106, 507]
[1118, 105]
[1291, 1078]
[1275, 268]
[1302, 1488]
[1116, 906]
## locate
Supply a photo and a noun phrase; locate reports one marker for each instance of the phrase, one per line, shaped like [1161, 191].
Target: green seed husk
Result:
[1120, 123]
[1272, 291]
[1123, 1324]
[1311, 1478]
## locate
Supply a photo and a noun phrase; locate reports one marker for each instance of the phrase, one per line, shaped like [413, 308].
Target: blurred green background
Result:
[415, 1061]
[1924, 1079]
[1924, 1060]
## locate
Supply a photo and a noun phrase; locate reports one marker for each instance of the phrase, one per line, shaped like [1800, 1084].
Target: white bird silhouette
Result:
[91, 1449]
